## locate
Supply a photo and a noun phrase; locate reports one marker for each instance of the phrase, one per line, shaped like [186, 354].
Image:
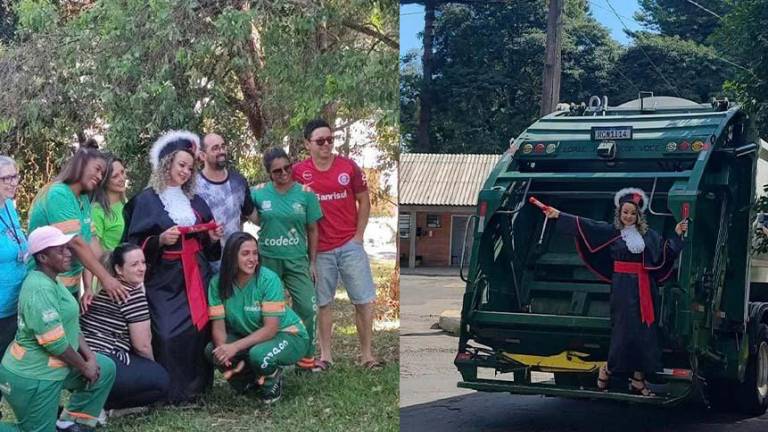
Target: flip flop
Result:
[373, 365]
[322, 365]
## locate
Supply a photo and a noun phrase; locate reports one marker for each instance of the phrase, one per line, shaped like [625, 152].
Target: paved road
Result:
[426, 354]
[429, 399]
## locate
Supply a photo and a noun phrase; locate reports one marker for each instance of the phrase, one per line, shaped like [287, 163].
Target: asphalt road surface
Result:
[430, 400]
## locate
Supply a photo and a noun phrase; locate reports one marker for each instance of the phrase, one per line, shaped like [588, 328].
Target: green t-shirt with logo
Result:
[245, 310]
[283, 218]
[48, 324]
[58, 206]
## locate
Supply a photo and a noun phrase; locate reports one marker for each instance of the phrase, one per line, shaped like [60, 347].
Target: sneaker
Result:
[272, 389]
[67, 426]
[101, 420]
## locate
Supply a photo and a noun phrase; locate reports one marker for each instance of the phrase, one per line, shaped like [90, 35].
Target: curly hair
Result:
[642, 224]
[160, 177]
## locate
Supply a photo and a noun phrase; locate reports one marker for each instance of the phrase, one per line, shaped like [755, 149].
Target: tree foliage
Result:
[488, 68]
[669, 66]
[253, 71]
[682, 18]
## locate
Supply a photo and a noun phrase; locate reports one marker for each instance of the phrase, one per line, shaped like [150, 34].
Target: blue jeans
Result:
[351, 262]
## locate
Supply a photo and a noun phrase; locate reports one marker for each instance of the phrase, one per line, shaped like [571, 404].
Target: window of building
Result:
[433, 221]
[404, 225]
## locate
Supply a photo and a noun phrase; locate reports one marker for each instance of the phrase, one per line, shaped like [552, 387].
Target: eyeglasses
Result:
[285, 169]
[10, 179]
[323, 141]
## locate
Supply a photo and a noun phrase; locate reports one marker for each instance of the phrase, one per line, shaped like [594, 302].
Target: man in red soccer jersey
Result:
[343, 193]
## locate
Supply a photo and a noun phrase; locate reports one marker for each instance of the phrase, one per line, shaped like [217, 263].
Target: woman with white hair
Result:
[175, 229]
[635, 259]
[13, 247]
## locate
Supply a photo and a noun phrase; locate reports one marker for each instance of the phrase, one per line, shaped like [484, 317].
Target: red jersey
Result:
[336, 189]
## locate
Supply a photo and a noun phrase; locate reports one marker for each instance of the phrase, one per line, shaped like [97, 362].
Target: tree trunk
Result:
[250, 84]
[425, 95]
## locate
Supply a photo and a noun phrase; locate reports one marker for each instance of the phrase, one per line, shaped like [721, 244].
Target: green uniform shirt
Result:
[48, 324]
[283, 218]
[109, 229]
[261, 297]
[58, 206]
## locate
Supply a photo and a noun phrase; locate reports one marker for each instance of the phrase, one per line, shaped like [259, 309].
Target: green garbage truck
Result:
[535, 319]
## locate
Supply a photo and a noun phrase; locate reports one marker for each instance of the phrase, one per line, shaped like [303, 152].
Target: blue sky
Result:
[412, 21]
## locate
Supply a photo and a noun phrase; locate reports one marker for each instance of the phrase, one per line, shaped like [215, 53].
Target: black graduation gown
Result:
[634, 344]
[177, 343]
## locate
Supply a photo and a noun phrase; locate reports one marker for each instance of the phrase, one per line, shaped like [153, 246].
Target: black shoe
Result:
[272, 389]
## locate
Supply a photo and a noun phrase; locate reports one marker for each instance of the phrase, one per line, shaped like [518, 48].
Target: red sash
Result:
[644, 288]
[198, 304]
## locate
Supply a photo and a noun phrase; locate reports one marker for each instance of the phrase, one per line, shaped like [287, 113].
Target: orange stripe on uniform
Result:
[79, 415]
[55, 362]
[68, 281]
[17, 351]
[71, 226]
[272, 307]
[291, 329]
[216, 311]
[51, 335]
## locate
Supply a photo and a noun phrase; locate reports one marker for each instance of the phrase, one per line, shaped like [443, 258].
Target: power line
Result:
[704, 9]
[658, 71]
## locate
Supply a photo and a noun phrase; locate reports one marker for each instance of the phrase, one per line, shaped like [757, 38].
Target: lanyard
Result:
[11, 229]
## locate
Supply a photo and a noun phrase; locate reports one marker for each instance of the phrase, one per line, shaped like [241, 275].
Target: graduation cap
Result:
[633, 195]
[170, 142]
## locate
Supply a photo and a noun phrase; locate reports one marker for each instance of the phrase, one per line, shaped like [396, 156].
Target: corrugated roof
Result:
[443, 179]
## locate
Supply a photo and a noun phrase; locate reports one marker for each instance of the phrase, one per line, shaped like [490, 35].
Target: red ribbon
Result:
[644, 288]
[198, 304]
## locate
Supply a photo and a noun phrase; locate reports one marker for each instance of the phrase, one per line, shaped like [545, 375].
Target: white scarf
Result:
[178, 206]
[633, 239]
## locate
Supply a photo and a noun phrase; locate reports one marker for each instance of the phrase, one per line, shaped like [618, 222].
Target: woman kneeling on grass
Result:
[121, 331]
[254, 332]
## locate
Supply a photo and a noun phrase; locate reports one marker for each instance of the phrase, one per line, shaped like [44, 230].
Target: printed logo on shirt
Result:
[252, 308]
[332, 196]
[266, 205]
[50, 315]
[5, 388]
[298, 208]
[343, 179]
[307, 175]
[291, 240]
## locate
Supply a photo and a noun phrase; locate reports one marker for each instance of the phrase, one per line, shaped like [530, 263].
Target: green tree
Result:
[668, 66]
[682, 18]
[487, 68]
[254, 71]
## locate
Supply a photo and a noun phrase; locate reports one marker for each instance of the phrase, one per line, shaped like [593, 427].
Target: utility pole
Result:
[550, 94]
[425, 95]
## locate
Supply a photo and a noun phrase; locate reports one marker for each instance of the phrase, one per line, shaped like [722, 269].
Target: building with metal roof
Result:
[437, 194]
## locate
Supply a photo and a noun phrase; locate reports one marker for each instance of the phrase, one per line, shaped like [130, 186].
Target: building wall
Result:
[434, 244]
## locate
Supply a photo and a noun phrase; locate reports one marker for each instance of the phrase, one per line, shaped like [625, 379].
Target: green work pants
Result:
[264, 358]
[36, 402]
[294, 273]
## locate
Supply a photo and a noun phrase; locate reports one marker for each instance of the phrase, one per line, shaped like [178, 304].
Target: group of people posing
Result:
[129, 303]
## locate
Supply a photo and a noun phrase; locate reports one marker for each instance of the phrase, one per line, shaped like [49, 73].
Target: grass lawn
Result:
[346, 398]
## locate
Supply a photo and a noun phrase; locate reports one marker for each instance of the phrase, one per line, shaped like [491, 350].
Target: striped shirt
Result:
[105, 325]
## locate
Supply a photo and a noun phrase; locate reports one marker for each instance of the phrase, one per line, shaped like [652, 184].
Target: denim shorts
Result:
[351, 262]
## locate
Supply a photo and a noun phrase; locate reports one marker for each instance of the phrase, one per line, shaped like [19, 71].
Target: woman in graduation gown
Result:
[634, 259]
[159, 220]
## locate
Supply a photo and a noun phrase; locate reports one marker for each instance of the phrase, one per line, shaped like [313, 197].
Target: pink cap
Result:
[46, 236]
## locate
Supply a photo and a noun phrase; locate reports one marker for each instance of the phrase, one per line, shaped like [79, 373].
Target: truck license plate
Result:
[612, 133]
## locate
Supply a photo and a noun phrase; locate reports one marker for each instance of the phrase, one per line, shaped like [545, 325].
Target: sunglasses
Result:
[323, 141]
[286, 169]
